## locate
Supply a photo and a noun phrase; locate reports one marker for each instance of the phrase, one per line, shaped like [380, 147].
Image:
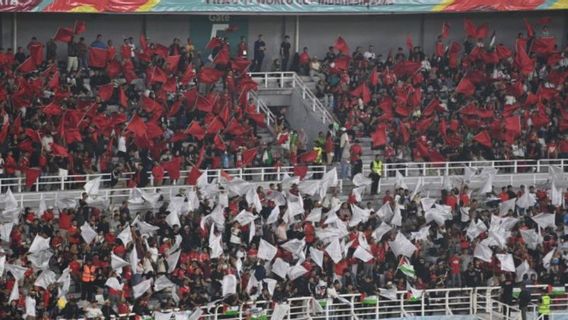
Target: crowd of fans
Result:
[475, 100]
[237, 242]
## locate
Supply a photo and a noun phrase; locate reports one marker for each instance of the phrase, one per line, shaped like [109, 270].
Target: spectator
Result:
[259, 50]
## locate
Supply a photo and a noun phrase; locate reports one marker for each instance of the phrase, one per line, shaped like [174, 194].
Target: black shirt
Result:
[258, 52]
[285, 49]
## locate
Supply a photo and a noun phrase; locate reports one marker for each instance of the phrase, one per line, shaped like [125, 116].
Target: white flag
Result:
[253, 199]
[39, 244]
[10, 201]
[545, 220]
[359, 215]
[144, 227]
[5, 230]
[362, 254]
[65, 280]
[556, 198]
[92, 186]
[505, 206]
[334, 251]
[30, 307]
[294, 246]
[329, 179]
[141, 288]
[280, 311]
[397, 216]
[245, 217]
[296, 271]
[46, 278]
[417, 188]
[360, 180]
[195, 315]
[88, 233]
[133, 259]
[427, 203]
[488, 184]
[229, 285]
[388, 293]
[2, 265]
[402, 246]
[266, 251]
[521, 270]
[274, 214]
[152, 198]
[162, 315]
[358, 193]
[385, 212]
[309, 187]
[280, 268]
[317, 256]
[125, 236]
[173, 260]
[482, 252]
[547, 258]
[117, 262]
[383, 229]
[525, 201]
[162, 283]
[507, 263]
[270, 284]
[173, 219]
[40, 260]
[113, 283]
[475, 229]
[422, 234]
[17, 272]
[314, 216]
[400, 181]
[15, 293]
[531, 238]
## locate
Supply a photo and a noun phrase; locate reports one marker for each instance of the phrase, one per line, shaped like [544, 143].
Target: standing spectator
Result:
[259, 49]
[455, 270]
[376, 173]
[82, 52]
[242, 49]
[304, 62]
[72, 56]
[356, 163]
[98, 43]
[51, 50]
[345, 146]
[524, 300]
[285, 53]
[20, 55]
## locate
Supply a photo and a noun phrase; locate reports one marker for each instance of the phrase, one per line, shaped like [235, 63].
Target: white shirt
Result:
[122, 144]
[369, 55]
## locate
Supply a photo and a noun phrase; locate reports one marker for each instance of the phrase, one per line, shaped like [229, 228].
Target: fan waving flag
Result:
[484, 139]
[341, 46]
[445, 30]
[80, 27]
[64, 35]
[308, 157]
[465, 87]
[97, 57]
[248, 156]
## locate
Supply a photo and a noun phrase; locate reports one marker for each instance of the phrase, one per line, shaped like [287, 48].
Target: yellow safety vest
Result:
[544, 306]
[377, 167]
[319, 154]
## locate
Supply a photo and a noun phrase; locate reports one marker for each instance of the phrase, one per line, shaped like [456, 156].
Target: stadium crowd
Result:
[239, 242]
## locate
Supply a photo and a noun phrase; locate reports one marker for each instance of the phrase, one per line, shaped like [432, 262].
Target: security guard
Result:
[544, 306]
[376, 173]
[88, 280]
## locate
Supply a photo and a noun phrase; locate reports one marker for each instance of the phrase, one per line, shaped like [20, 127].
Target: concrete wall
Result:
[316, 32]
[301, 116]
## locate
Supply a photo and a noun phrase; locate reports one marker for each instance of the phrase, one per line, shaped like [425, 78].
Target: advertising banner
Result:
[278, 6]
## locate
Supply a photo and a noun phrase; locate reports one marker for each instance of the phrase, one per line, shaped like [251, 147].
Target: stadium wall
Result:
[316, 32]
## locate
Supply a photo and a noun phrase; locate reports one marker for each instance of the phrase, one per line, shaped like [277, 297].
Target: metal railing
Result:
[73, 182]
[261, 106]
[291, 80]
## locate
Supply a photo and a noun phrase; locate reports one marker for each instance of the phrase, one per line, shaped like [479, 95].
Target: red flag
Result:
[374, 77]
[113, 69]
[106, 91]
[137, 126]
[72, 135]
[379, 137]
[219, 143]
[122, 98]
[300, 171]
[173, 168]
[235, 128]
[209, 75]
[188, 75]
[484, 139]
[156, 75]
[363, 92]
[172, 63]
[36, 53]
[465, 87]
[97, 57]
[342, 63]
[161, 50]
[80, 27]
[4, 131]
[524, 62]
[54, 81]
[16, 127]
[445, 30]
[544, 46]
[195, 130]
[59, 151]
[193, 175]
[341, 46]
[214, 43]
[530, 29]
[215, 125]
[248, 156]
[404, 132]
[503, 52]
[409, 43]
[170, 85]
[64, 35]
[32, 174]
[27, 66]
[513, 124]
[222, 57]
[151, 105]
[545, 21]
[240, 64]
[52, 109]
[258, 118]
[158, 173]
[205, 104]
[475, 32]
[308, 157]
[143, 42]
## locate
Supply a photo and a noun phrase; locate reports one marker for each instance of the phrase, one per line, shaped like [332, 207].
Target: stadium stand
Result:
[187, 197]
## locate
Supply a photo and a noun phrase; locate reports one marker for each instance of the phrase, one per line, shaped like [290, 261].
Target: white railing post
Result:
[515, 165]
[422, 305]
[281, 79]
[37, 184]
[19, 184]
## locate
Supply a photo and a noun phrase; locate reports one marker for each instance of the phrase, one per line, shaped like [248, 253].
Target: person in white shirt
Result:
[370, 54]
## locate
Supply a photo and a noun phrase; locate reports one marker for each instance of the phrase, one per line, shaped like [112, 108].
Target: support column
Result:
[297, 35]
[15, 32]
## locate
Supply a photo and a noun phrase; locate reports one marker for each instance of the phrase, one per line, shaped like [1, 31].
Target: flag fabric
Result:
[173, 168]
[195, 130]
[523, 61]
[106, 91]
[266, 251]
[209, 75]
[172, 63]
[379, 137]
[530, 29]
[97, 57]
[248, 156]
[193, 175]
[475, 32]
[79, 27]
[222, 57]
[465, 87]
[32, 174]
[214, 43]
[36, 53]
[59, 151]
[484, 139]
[406, 268]
[64, 35]
[308, 157]
[137, 126]
[445, 30]
[409, 43]
[27, 66]
[341, 46]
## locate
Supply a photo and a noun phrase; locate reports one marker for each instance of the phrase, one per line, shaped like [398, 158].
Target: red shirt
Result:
[65, 220]
[455, 265]
[356, 152]
[304, 58]
[452, 201]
